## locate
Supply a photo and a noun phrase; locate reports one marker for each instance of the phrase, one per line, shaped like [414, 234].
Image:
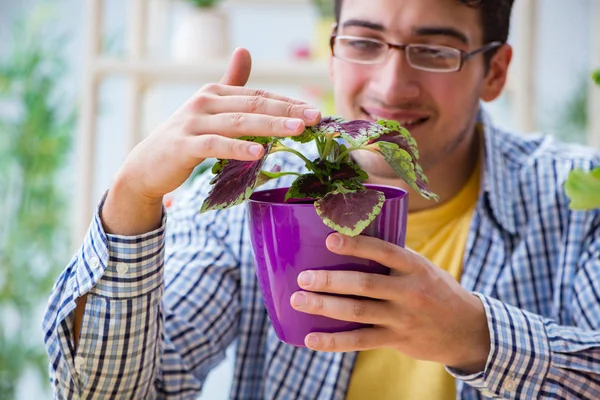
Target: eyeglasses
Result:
[424, 57]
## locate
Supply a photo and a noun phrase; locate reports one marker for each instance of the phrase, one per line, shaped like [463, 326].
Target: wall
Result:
[562, 60]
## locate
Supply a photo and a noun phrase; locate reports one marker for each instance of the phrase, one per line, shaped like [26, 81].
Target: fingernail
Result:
[292, 124]
[298, 299]
[311, 341]
[306, 278]
[333, 241]
[311, 114]
[255, 149]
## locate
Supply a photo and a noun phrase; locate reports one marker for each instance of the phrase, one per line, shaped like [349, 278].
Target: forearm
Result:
[531, 356]
[111, 292]
[127, 213]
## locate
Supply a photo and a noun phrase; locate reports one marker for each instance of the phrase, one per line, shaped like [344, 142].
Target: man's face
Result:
[438, 109]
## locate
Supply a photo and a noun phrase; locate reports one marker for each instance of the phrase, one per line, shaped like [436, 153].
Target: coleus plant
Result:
[583, 188]
[333, 181]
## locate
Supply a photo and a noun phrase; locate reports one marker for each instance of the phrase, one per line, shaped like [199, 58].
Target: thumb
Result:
[238, 70]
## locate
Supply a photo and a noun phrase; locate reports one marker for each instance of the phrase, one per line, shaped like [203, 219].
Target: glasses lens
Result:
[359, 50]
[433, 58]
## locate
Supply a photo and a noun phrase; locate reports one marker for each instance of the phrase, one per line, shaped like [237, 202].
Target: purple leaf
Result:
[234, 183]
[348, 171]
[307, 186]
[326, 125]
[350, 212]
[359, 132]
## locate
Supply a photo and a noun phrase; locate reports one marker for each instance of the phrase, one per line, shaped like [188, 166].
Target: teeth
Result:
[407, 122]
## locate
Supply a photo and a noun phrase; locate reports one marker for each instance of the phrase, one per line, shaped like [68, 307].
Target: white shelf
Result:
[297, 73]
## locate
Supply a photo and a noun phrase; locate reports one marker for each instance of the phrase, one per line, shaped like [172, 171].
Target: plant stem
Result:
[328, 140]
[288, 173]
[347, 151]
[282, 147]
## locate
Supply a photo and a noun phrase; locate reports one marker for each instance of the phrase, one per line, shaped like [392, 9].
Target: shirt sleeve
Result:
[156, 321]
[533, 357]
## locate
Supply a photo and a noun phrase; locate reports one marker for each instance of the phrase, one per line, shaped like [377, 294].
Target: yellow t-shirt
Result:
[439, 234]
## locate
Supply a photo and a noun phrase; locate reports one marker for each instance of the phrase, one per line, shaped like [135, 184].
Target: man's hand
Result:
[419, 309]
[206, 126]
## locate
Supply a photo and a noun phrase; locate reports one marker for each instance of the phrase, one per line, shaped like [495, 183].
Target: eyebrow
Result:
[442, 31]
[363, 24]
[420, 31]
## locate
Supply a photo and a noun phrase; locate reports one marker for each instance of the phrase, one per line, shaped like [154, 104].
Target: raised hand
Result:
[206, 126]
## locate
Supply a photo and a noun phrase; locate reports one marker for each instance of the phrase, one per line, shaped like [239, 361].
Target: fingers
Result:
[374, 249]
[223, 90]
[374, 286]
[266, 106]
[356, 340]
[216, 146]
[345, 309]
[239, 124]
[238, 70]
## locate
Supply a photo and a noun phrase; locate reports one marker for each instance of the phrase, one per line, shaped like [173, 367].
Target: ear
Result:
[496, 75]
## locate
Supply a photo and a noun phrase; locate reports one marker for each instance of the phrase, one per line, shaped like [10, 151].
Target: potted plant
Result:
[201, 33]
[583, 188]
[288, 226]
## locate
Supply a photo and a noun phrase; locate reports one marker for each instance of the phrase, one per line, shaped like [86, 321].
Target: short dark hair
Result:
[495, 19]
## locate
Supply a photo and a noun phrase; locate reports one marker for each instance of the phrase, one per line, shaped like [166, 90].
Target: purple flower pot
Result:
[290, 238]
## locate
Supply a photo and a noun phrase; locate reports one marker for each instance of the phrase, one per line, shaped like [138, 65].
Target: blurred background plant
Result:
[325, 8]
[583, 188]
[572, 116]
[36, 129]
[204, 3]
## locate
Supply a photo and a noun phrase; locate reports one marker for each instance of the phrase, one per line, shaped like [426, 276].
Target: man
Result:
[133, 317]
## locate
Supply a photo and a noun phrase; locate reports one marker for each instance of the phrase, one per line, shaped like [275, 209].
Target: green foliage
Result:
[325, 8]
[35, 138]
[204, 3]
[583, 188]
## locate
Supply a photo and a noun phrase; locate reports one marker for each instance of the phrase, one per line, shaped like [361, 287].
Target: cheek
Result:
[348, 84]
[454, 98]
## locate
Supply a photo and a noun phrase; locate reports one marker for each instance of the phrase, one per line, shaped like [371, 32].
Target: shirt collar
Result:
[500, 177]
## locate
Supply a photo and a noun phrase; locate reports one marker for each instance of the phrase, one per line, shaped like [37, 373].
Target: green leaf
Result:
[596, 77]
[259, 139]
[402, 164]
[350, 212]
[266, 176]
[400, 135]
[583, 189]
[306, 136]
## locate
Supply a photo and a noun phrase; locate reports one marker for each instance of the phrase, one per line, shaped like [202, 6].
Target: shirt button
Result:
[79, 361]
[509, 385]
[122, 269]
[94, 262]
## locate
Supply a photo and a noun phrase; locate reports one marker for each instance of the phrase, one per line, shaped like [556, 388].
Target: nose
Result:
[395, 80]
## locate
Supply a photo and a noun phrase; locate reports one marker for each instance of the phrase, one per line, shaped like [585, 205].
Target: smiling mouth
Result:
[407, 123]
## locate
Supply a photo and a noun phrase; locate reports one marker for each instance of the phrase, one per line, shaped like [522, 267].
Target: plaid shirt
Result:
[162, 307]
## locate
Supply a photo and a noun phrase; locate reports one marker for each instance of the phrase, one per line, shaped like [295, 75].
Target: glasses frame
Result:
[464, 55]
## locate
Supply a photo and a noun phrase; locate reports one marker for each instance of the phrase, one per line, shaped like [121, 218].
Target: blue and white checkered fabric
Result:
[163, 307]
